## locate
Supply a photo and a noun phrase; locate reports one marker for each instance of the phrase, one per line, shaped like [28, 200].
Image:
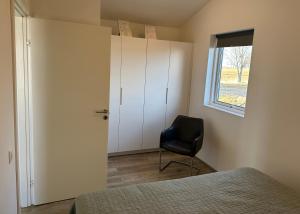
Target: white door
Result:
[70, 82]
[158, 61]
[132, 93]
[22, 110]
[114, 97]
[179, 80]
[8, 192]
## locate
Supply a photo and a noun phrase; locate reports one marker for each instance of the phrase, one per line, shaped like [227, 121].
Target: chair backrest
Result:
[188, 128]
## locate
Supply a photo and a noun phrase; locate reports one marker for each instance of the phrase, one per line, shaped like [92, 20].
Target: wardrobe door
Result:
[114, 94]
[158, 61]
[179, 80]
[132, 93]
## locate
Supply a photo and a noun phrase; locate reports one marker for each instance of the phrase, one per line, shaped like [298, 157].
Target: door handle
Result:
[104, 111]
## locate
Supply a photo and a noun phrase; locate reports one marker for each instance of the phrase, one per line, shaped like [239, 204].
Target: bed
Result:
[239, 191]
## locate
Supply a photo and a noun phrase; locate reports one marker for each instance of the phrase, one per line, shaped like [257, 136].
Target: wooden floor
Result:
[127, 170]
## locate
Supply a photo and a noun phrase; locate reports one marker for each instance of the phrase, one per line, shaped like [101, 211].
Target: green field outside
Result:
[231, 91]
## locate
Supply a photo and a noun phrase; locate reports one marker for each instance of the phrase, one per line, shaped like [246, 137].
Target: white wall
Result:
[8, 198]
[138, 30]
[268, 137]
[82, 11]
[89, 12]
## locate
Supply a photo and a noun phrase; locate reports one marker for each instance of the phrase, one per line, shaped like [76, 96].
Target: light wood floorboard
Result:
[131, 169]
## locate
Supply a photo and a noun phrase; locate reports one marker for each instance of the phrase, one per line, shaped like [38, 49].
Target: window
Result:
[228, 72]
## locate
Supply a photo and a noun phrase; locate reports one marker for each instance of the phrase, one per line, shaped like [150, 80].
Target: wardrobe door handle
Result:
[167, 93]
[10, 157]
[121, 96]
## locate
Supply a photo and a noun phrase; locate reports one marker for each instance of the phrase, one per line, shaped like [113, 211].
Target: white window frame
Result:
[211, 84]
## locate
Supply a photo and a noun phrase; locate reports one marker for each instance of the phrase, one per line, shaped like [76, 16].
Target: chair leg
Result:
[159, 159]
[191, 166]
[162, 168]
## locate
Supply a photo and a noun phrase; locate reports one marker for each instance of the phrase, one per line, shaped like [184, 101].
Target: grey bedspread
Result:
[234, 192]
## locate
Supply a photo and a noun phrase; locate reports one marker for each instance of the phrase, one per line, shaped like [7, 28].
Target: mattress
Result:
[239, 191]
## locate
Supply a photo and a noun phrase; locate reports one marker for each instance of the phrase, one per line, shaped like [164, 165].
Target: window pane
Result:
[234, 74]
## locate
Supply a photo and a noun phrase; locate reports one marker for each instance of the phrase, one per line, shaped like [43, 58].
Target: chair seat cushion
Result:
[179, 147]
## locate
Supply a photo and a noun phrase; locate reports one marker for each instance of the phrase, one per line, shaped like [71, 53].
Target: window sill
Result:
[226, 109]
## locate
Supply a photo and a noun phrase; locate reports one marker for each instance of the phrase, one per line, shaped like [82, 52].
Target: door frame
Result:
[17, 7]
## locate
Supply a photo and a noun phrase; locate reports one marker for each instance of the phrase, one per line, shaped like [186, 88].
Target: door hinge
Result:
[28, 43]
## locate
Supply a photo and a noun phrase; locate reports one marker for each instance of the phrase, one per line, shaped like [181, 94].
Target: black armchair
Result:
[184, 137]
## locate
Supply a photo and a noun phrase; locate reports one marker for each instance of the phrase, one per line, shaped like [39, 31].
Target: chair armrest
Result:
[199, 138]
[197, 143]
[168, 134]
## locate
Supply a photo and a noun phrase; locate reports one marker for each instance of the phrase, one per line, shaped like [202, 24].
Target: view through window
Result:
[233, 75]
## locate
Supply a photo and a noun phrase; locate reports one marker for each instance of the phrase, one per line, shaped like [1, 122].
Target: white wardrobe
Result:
[149, 87]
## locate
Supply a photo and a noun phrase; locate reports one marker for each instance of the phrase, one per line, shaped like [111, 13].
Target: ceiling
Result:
[155, 12]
